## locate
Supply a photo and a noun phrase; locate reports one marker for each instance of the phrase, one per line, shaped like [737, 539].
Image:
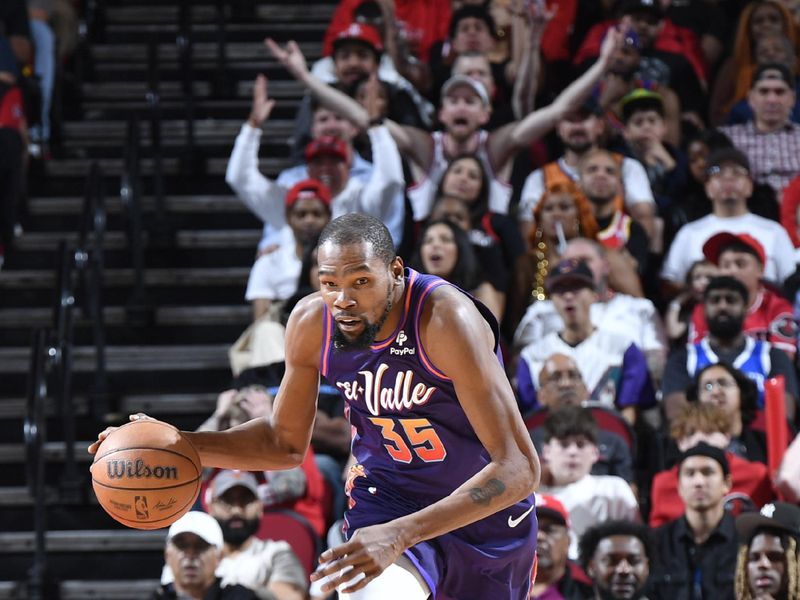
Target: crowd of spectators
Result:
[618, 182]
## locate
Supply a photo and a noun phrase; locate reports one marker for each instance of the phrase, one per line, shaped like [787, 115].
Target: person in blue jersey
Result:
[441, 497]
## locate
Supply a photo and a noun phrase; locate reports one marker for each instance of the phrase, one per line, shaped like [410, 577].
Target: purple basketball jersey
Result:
[414, 445]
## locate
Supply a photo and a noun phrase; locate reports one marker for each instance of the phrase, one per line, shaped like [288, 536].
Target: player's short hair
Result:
[357, 228]
[596, 534]
[570, 421]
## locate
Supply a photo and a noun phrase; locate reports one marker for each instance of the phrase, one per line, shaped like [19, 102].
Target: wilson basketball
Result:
[146, 474]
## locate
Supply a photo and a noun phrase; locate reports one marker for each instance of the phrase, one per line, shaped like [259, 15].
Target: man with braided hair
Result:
[767, 566]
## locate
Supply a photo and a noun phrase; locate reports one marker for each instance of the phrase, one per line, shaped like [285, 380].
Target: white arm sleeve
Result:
[261, 195]
[637, 185]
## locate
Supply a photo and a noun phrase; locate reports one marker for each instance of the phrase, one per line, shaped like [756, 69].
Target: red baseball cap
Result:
[308, 188]
[552, 507]
[359, 32]
[327, 146]
[717, 243]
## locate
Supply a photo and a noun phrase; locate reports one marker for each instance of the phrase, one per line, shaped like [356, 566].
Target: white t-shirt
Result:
[593, 500]
[634, 318]
[687, 247]
[263, 562]
[274, 276]
[634, 180]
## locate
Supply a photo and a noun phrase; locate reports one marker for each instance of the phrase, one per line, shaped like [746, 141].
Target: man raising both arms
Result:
[441, 497]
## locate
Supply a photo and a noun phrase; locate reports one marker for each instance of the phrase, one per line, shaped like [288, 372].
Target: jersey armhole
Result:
[420, 306]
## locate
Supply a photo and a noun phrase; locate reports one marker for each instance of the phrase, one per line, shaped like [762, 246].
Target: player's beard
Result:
[366, 337]
[236, 536]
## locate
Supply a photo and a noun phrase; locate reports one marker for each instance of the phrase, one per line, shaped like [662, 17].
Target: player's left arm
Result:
[460, 343]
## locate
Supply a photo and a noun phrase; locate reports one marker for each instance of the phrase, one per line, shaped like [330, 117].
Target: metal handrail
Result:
[34, 431]
[138, 310]
[62, 341]
[89, 260]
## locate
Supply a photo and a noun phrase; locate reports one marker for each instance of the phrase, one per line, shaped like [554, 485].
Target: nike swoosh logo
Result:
[512, 522]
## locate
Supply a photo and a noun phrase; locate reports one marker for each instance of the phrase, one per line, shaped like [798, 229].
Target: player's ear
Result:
[397, 268]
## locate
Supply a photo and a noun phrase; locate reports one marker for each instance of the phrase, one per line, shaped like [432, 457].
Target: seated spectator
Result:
[561, 384]
[301, 489]
[358, 52]
[614, 369]
[488, 251]
[562, 215]
[193, 552]
[472, 29]
[769, 316]
[444, 250]
[771, 140]
[600, 181]
[355, 185]
[615, 308]
[466, 178]
[735, 394]
[756, 20]
[420, 23]
[624, 78]
[693, 203]
[617, 556]
[556, 575]
[580, 131]
[724, 307]
[274, 276]
[696, 553]
[670, 55]
[569, 452]
[267, 567]
[645, 133]
[769, 48]
[465, 109]
[750, 481]
[729, 185]
[767, 565]
[680, 309]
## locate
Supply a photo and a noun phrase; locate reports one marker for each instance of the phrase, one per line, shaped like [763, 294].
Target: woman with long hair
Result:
[444, 250]
[561, 215]
[732, 83]
[735, 394]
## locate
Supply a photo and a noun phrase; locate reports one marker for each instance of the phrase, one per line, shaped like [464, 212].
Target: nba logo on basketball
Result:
[140, 505]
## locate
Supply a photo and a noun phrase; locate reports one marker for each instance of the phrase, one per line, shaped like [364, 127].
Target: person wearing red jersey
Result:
[769, 316]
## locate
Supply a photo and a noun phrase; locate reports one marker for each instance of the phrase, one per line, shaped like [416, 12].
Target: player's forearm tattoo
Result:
[484, 495]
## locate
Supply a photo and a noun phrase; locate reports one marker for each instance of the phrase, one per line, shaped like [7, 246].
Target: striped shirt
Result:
[774, 157]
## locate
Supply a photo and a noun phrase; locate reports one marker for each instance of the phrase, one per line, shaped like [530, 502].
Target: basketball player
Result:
[440, 501]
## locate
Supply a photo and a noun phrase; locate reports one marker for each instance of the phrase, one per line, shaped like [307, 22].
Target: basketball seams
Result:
[153, 489]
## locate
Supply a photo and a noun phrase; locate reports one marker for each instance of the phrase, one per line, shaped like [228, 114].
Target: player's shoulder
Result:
[305, 327]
